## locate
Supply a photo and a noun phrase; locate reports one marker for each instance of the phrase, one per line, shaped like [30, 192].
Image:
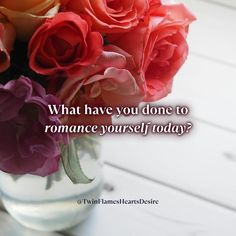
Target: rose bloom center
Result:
[114, 4]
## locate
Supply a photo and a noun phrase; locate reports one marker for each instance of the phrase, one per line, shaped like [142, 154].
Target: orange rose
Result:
[109, 16]
[7, 38]
[27, 15]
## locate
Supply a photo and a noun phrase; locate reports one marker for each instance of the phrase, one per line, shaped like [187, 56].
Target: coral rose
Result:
[64, 44]
[110, 16]
[159, 46]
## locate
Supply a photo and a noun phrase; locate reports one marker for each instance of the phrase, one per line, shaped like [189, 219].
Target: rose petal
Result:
[26, 23]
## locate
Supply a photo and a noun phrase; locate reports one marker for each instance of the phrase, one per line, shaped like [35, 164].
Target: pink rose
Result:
[112, 81]
[110, 16]
[64, 44]
[159, 46]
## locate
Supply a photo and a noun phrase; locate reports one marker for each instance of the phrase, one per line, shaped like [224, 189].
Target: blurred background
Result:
[194, 176]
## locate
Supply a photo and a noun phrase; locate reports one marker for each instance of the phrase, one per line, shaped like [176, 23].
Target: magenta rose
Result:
[64, 44]
[24, 146]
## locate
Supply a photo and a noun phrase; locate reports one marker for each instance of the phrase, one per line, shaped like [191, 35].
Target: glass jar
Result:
[52, 203]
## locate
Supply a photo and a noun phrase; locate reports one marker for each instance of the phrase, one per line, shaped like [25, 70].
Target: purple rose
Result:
[24, 146]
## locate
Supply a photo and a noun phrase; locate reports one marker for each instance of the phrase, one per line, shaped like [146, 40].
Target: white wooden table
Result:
[194, 177]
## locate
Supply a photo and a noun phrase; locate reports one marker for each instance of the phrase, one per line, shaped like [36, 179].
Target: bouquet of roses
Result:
[76, 52]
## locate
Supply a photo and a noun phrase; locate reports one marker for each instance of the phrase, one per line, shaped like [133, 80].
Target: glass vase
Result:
[52, 203]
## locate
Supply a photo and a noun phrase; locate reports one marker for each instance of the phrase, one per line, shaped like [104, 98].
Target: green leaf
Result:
[71, 163]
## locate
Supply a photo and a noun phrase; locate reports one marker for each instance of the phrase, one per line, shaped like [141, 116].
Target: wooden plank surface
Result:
[177, 214]
[202, 163]
[213, 34]
[209, 89]
[223, 3]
